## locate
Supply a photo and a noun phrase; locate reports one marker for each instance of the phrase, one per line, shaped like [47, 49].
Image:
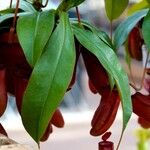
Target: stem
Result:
[12, 29]
[111, 29]
[39, 145]
[120, 140]
[78, 15]
[79, 18]
[15, 17]
[10, 6]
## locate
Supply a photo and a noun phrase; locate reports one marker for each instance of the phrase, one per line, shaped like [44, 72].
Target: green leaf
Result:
[143, 136]
[111, 81]
[6, 11]
[33, 32]
[65, 5]
[102, 35]
[127, 56]
[49, 80]
[123, 30]
[6, 20]
[11, 15]
[25, 6]
[110, 62]
[146, 30]
[138, 6]
[114, 8]
[30, 1]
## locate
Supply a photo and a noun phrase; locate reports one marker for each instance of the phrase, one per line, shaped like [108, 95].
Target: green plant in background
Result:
[51, 43]
[143, 136]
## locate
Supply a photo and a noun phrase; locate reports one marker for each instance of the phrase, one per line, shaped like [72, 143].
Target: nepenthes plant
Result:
[39, 51]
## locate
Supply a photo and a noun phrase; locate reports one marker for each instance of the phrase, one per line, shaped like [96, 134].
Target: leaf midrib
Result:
[34, 36]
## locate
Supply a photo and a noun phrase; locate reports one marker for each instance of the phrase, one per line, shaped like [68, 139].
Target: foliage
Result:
[114, 8]
[49, 40]
[143, 136]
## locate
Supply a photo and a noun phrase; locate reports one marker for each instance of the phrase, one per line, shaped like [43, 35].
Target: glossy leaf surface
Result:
[146, 30]
[25, 6]
[49, 80]
[110, 62]
[11, 15]
[123, 30]
[33, 33]
[102, 35]
[114, 8]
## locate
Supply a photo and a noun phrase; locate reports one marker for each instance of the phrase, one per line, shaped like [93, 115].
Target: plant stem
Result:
[10, 6]
[12, 29]
[111, 29]
[78, 15]
[38, 145]
[15, 16]
[120, 140]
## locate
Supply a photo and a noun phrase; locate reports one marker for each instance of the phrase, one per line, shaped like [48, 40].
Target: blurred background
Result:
[79, 104]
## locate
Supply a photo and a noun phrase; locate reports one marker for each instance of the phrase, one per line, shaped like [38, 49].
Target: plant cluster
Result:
[39, 51]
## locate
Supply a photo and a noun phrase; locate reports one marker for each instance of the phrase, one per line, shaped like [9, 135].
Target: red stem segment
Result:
[78, 15]
[16, 12]
[12, 29]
